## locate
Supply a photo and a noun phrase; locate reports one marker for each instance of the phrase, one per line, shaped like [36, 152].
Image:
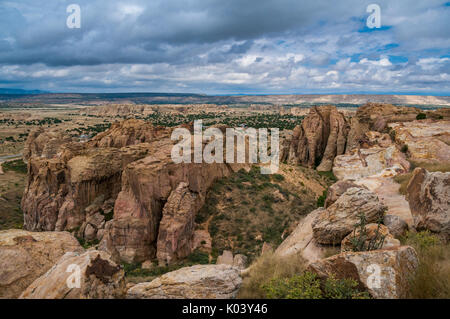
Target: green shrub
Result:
[308, 286]
[404, 148]
[305, 286]
[321, 199]
[359, 238]
[421, 116]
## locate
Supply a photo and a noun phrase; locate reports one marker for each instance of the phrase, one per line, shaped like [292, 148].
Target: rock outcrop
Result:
[337, 221]
[301, 240]
[384, 273]
[24, 256]
[365, 162]
[176, 229]
[196, 282]
[425, 141]
[375, 117]
[321, 136]
[227, 258]
[336, 190]
[44, 143]
[90, 275]
[428, 195]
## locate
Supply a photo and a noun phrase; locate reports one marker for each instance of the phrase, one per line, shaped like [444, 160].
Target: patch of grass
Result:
[322, 198]
[329, 175]
[432, 279]
[277, 277]
[266, 268]
[17, 166]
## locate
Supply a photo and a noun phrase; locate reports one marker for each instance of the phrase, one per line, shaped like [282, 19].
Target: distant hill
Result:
[20, 91]
[291, 100]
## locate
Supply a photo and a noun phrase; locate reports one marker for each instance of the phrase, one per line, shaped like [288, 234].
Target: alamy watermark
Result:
[74, 19]
[237, 140]
[374, 20]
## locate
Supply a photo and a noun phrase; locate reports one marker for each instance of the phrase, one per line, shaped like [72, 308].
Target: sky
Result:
[226, 46]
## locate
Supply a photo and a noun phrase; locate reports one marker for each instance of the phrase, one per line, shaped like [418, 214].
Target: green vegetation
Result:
[322, 198]
[249, 208]
[135, 273]
[309, 286]
[404, 148]
[255, 120]
[17, 166]
[359, 239]
[432, 279]
[273, 276]
[421, 116]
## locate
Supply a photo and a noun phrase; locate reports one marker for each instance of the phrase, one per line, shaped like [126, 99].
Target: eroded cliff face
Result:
[115, 189]
[63, 184]
[319, 139]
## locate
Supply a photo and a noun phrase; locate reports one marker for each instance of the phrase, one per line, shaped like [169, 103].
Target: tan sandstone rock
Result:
[321, 136]
[100, 278]
[428, 195]
[24, 256]
[196, 282]
[336, 190]
[337, 221]
[384, 273]
[301, 240]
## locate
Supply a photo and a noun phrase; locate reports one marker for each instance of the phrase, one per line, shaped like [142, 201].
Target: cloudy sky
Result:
[226, 46]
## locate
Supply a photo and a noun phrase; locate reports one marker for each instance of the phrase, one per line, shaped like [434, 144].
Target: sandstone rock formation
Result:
[384, 273]
[100, 278]
[426, 141]
[239, 261]
[24, 256]
[44, 143]
[176, 229]
[337, 221]
[196, 282]
[428, 195]
[375, 117]
[375, 232]
[360, 163]
[301, 240]
[321, 136]
[336, 190]
[396, 225]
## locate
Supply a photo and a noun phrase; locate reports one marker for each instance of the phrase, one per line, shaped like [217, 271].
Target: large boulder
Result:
[321, 136]
[301, 240]
[176, 229]
[428, 195]
[90, 275]
[335, 222]
[375, 233]
[396, 225]
[196, 282]
[364, 162]
[384, 273]
[336, 190]
[24, 256]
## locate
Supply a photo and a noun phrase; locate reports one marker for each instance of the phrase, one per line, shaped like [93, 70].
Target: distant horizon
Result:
[445, 94]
